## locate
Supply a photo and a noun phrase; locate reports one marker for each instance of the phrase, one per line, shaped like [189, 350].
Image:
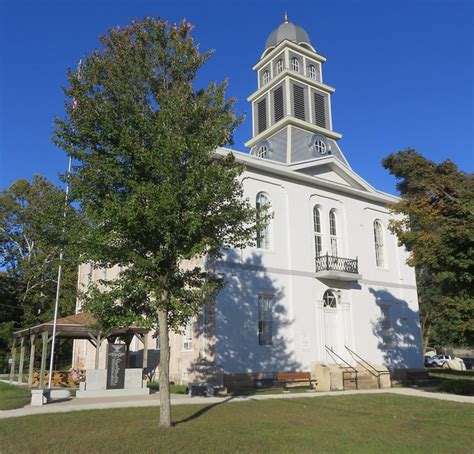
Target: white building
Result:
[327, 282]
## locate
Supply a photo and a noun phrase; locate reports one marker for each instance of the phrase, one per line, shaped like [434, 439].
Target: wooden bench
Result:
[288, 379]
[418, 375]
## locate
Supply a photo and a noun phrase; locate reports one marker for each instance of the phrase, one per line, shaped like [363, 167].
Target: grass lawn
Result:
[13, 396]
[357, 423]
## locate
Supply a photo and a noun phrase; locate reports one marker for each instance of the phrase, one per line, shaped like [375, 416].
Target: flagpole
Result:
[61, 254]
[58, 283]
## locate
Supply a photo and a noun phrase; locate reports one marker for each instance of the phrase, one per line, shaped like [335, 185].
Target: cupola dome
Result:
[287, 30]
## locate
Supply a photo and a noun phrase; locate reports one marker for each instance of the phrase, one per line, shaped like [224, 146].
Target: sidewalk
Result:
[152, 400]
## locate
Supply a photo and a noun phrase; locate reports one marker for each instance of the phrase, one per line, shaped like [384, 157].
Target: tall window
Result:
[378, 239]
[279, 66]
[188, 336]
[265, 320]
[312, 72]
[295, 64]
[266, 77]
[263, 207]
[333, 232]
[262, 151]
[318, 238]
[329, 299]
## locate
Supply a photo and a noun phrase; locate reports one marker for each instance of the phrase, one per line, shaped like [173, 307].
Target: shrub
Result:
[462, 387]
[174, 389]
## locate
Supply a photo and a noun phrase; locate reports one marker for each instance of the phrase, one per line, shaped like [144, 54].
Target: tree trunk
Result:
[164, 367]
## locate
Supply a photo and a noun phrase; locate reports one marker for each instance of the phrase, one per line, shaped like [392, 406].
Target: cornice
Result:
[290, 44]
[283, 170]
[292, 75]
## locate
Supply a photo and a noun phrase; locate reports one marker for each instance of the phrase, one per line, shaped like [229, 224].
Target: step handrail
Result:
[361, 361]
[347, 365]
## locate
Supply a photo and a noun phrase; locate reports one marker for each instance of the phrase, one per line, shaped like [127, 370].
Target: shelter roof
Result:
[77, 326]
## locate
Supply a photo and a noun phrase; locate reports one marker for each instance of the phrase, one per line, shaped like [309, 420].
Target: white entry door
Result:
[332, 332]
[332, 326]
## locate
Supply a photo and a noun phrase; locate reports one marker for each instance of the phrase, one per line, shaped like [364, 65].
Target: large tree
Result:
[437, 227]
[33, 230]
[148, 179]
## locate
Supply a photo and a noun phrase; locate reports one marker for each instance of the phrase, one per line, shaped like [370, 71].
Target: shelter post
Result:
[44, 352]
[32, 359]
[22, 360]
[13, 357]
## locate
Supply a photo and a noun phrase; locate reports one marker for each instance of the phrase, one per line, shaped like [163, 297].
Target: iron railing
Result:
[331, 263]
[349, 373]
[369, 368]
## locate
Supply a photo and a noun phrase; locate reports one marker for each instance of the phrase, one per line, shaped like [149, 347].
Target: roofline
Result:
[296, 47]
[284, 170]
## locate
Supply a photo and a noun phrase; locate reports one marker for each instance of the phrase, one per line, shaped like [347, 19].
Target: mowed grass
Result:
[13, 397]
[357, 423]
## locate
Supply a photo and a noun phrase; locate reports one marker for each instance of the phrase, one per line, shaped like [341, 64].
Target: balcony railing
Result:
[330, 263]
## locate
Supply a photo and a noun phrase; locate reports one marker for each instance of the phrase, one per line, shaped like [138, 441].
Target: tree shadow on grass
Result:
[202, 411]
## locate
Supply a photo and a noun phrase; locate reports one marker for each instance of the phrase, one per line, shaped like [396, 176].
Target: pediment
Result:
[330, 170]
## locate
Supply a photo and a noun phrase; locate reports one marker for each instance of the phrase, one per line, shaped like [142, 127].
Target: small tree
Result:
[147, 176]
[437, 227]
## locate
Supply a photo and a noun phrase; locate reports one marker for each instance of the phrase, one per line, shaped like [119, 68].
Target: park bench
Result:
[418, 375]
[293, 379]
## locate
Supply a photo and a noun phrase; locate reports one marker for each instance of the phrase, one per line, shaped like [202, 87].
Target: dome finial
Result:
[286, 18]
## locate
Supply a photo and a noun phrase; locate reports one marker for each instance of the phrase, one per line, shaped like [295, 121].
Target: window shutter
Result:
[262, 115]
[298, 100]
[278, 103]
[319, 110]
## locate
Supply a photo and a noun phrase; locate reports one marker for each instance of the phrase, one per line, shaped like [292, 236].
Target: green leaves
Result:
[146, 175]
[436, 224]
[33, 231]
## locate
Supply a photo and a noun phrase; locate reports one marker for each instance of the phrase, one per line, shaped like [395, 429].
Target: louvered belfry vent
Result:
[298, 100]
[262, 115]
[278, 103]
[319, 110]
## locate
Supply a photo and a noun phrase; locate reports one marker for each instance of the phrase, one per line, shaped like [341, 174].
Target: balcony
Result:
[340, 268]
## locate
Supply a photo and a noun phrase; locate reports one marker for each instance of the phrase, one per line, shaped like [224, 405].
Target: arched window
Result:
[378, 239]
[318, 237]
[266, 77]
[263, 235]
[262, 151]
[279, 66]
[312, 72]
[333, 232]
[295, 64]
[329, 299]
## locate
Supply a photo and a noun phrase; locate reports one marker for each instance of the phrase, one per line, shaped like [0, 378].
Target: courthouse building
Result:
[326, 283]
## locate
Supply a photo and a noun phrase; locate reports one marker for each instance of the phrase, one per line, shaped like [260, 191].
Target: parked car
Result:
[437, 360]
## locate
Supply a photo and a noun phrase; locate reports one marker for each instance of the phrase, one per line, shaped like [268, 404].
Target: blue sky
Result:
[403, 70]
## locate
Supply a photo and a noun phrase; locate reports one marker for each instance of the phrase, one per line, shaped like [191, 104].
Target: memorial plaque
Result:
[116, 364]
